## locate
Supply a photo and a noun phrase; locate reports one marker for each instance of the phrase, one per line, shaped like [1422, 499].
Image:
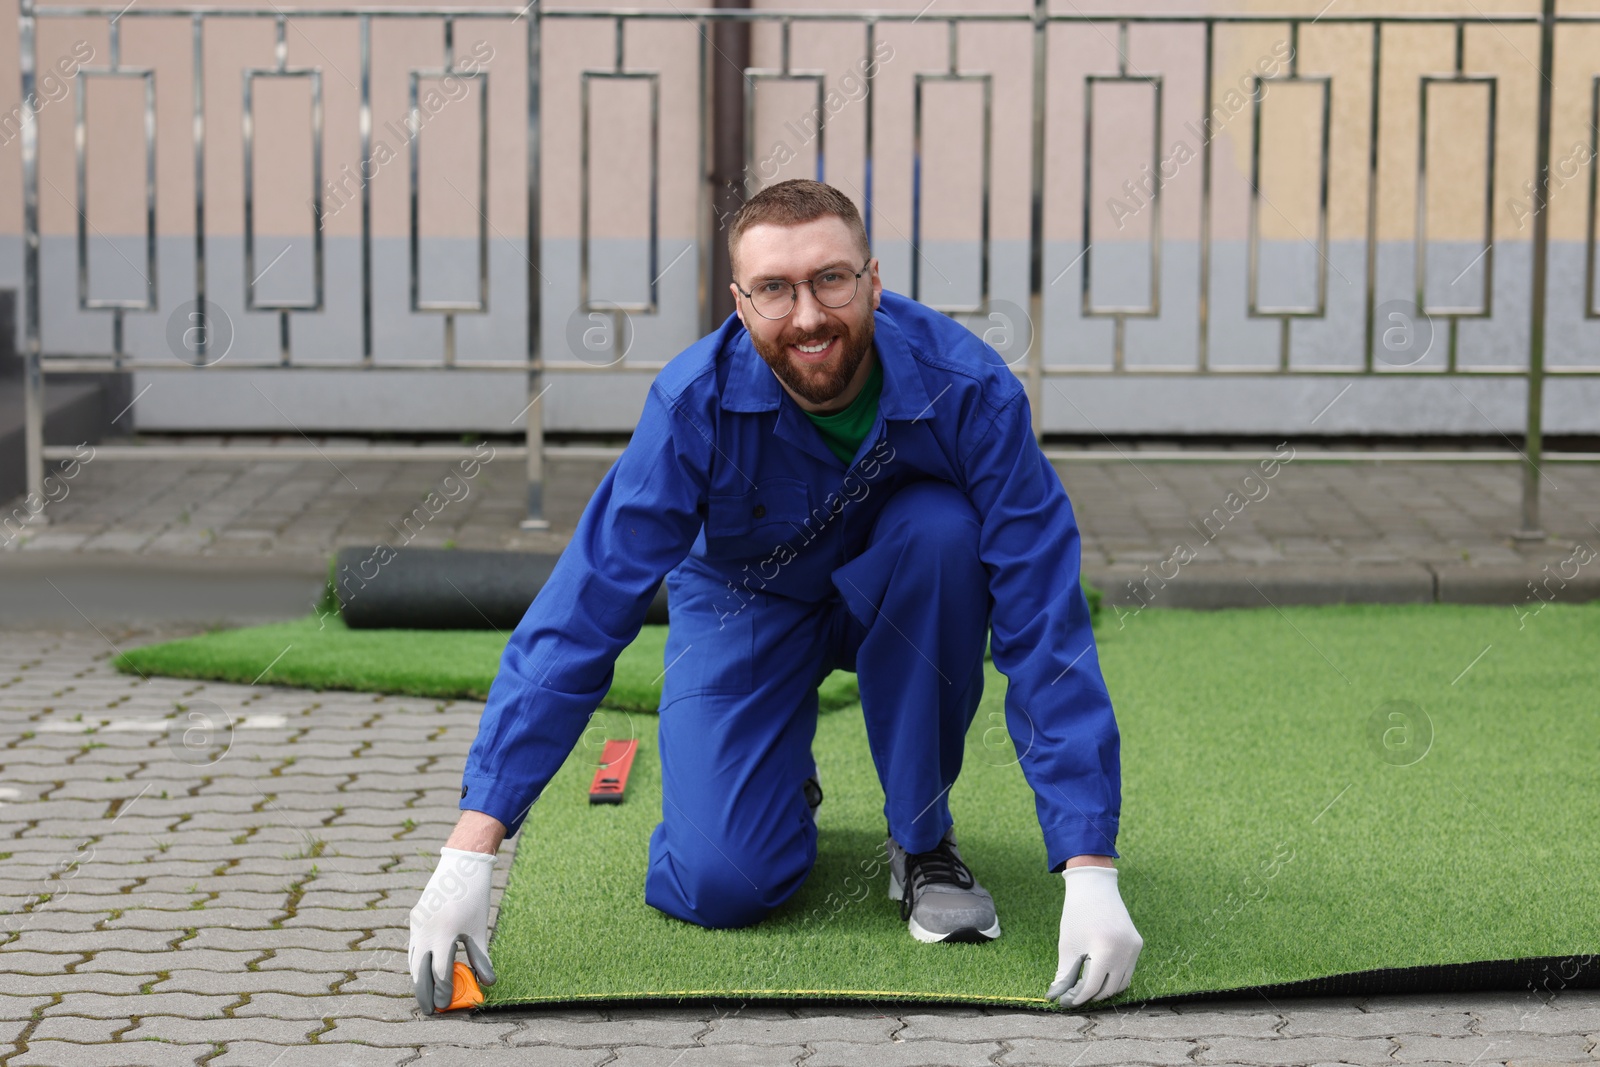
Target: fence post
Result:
[1035, 368]
[730, 181]
[1533, 439]
[534, 519]
[33, 378]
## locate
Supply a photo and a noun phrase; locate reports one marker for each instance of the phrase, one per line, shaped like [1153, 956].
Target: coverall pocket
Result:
[756, 522]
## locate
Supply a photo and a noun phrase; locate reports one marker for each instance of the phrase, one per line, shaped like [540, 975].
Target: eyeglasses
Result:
[833, 288]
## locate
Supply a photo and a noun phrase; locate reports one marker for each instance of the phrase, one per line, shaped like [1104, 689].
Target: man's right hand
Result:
[455, 905]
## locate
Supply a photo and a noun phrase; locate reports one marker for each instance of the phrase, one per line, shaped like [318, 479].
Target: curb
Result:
[43, 588]
[1210, 586]
[76, 589]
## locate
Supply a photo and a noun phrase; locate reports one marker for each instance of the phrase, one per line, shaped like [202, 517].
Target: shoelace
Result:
[940, 866]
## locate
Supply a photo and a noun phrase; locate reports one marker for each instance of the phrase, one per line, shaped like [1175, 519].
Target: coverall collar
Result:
[751, 385]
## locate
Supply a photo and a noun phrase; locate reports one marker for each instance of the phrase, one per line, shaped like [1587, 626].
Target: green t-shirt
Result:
[845, 430]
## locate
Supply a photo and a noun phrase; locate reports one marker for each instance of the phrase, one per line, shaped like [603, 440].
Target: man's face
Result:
[792, 253]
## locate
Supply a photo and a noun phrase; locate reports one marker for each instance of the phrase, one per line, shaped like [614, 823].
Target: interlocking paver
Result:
[1566, 1015]
[1153, 1023]
[974, 1025]
[1282, 1050]
[33, 940]
[38, 963]
[16, 1008]
[388, 980]
[1093, 1052]
[191, 1031]
[258, 939]
[254, 920]
[237, 983]
[1522, 999]
[347, 920]
[172, 960]
[756, 1031]
[104, 1006]
[339, 1005]
[418, 1031]
[42, 1053]
[55, 920]
[1379, 1024]
[903, 1054]
[648, 1029]
[389, 938]
[22, 984]
[262, 1054]
[297, 959]
[716, 1056]
[1502, 1045]
[77, 1028]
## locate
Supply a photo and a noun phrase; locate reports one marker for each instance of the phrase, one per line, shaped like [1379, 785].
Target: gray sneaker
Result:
[939, 898]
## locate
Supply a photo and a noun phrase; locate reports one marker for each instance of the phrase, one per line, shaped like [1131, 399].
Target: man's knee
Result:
[933, 516]
[713, 900]
[723, 885]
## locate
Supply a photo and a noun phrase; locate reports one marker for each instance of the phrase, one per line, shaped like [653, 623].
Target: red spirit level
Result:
[611, 778]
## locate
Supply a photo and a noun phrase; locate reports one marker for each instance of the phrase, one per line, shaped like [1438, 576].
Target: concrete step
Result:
[78, 408]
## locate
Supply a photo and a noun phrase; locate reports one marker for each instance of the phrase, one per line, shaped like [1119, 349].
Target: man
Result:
[838, 477]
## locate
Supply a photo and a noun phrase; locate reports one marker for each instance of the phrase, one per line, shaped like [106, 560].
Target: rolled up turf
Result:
[444, 588]
[1332, 799]
[378, 587]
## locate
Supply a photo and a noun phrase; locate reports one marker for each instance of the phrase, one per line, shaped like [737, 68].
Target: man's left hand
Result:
[1097, 936]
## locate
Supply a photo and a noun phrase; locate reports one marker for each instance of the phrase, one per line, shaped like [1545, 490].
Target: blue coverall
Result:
[783, 564]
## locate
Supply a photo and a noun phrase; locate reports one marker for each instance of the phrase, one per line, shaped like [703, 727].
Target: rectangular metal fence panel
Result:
[1042, 26]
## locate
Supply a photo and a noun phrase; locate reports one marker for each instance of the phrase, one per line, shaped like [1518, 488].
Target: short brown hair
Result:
[790, 203]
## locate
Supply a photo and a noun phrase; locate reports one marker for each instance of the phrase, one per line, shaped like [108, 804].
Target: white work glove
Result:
[1097, 934]
[454, 905]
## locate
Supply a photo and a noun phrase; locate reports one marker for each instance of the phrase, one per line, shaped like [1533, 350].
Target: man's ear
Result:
[737, 310]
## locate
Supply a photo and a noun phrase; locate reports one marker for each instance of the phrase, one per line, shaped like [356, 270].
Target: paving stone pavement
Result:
[238, 898]
[1131, 510]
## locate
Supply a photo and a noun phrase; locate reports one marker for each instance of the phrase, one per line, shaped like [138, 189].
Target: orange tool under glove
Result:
[465, 992]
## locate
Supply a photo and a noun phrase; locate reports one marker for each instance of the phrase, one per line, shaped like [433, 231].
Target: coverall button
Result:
[760, 510]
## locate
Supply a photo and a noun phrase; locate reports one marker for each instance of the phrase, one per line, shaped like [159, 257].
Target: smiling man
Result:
[837, 478]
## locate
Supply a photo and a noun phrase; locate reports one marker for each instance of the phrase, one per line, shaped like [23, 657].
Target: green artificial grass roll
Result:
[1311, 792]
[320, 652]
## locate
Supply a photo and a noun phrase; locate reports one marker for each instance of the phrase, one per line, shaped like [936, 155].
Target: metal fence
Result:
[1041, 22]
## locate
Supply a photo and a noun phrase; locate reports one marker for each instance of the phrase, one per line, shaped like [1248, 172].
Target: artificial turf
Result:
[320, 652]
[1278, 824]
[1271, 832]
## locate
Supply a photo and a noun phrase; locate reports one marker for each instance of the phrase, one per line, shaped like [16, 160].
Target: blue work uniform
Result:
[782, 564]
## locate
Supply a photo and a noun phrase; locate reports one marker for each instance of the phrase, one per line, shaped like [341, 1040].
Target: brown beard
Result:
[822, 384]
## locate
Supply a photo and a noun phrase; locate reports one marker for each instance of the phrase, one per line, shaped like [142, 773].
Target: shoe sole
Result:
[965, 935]
[970, 935]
